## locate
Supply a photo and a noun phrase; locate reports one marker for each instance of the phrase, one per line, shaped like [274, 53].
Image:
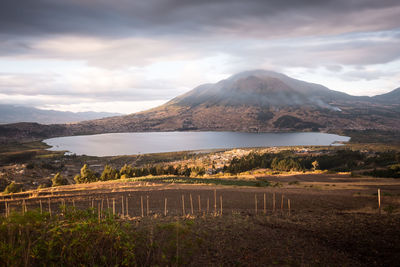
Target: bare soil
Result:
[334, 219]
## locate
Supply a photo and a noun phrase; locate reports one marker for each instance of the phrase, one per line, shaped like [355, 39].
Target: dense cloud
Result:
[126, 18]
[156, 49]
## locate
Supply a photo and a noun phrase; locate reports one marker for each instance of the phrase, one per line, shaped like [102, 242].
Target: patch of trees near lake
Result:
[378, 164]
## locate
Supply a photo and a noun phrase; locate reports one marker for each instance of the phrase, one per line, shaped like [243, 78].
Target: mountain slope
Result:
[391, 97]
[256, 101]
[261, 88]
[14, 114]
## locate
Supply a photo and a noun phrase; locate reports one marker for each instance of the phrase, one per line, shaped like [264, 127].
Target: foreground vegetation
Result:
[79, 238]
[71, 238]
[213, 181]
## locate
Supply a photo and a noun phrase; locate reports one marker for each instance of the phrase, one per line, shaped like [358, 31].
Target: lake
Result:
[114, 144]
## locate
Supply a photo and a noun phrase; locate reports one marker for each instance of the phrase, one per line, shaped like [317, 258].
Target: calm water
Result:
[114, 144]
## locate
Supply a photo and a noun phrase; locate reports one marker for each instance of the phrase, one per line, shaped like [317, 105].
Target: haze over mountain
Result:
[258, 101]
[251, 101]
[391, 97]
[13, 114]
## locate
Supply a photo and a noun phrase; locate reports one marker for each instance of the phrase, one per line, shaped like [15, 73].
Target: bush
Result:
[59, 180]
[127, 171]
[3, 183]
[30, 165]
[86, 175]
[13, 188]
[109, 173]
[73, 239]
[43, 186]
[285, 165]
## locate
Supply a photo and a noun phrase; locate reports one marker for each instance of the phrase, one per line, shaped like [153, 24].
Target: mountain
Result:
[256, 101]
[14, 114]
[391, 97]
[251, 101]
[263, 89]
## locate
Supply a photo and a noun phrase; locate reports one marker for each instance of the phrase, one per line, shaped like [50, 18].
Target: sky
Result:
[130, 55]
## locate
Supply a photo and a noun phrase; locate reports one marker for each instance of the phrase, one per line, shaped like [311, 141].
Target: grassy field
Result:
[104, 223]
[207, 181]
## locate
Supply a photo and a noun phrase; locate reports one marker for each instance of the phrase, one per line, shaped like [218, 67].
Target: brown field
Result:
[334, 218]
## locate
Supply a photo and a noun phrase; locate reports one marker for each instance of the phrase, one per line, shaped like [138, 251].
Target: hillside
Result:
[15, 114]
[251, 101]
[257, 101]
[391, 97]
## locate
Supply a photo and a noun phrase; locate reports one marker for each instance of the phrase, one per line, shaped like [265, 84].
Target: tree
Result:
[13, 188]
[127, 171]
[86, 175]
[186, 171]
[315, 165]
[109, 173]
[59, 180]
[286, 164]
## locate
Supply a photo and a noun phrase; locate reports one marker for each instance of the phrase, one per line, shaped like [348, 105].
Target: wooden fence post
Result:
[265, 204]
[6, 206]
[63, 205]
[199, 203]
[147, 205]
[49, 207]
[141, 205]
[282, 203]
[99, 211]
[215, 201]
[379, 200]
[255, 204]
[191, 204]
[165, 206]
[274, 202]
[183, 205]
[113, 206]
[122, 206]
[208, 205]
[127, 206]
[288, 203]
[41, 207]
[220, 200]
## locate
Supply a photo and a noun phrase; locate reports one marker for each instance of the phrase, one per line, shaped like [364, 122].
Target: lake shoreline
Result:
[117, 144]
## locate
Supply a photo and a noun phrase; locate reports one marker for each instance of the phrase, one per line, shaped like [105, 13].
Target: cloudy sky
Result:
[129, 55]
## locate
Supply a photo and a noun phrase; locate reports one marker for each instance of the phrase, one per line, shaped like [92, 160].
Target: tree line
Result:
[337, 160]
[109, 173]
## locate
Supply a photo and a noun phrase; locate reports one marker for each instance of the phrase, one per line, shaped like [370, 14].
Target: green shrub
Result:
[286, 164]
[86, 175]
[109, 173]
[75, 238]
[3, 183]
[43, 186]
[59, 180]
[13, 188]
[126, 170]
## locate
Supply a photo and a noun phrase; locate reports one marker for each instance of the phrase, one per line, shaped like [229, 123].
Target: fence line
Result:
[128, 211]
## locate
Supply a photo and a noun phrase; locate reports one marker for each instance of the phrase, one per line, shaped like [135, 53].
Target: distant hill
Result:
[257, 101]
[251, 101]
[14, 114]
[391, 97]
